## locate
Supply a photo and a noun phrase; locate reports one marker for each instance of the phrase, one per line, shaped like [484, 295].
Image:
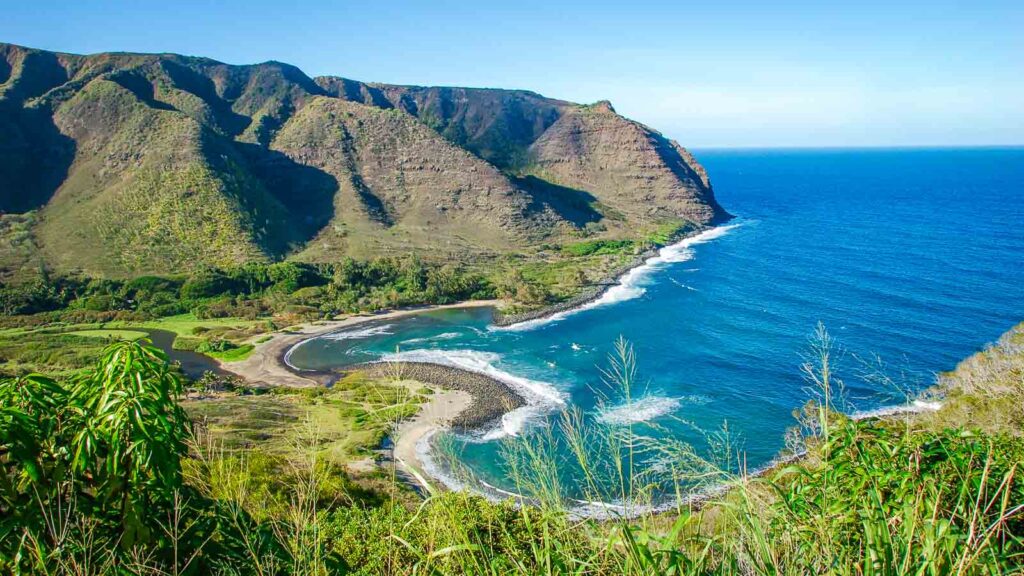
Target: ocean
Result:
[912, 259]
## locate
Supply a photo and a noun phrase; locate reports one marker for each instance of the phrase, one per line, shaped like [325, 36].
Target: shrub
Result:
[599, 247]
[206, 284]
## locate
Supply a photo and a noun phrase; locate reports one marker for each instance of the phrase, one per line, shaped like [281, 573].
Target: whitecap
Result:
[442, 336]
[631, 284]
[642, 410]
[681, 285]
[359, 334]
[695, 399]
[914, 407]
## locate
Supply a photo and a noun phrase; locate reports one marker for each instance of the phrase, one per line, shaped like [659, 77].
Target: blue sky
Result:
[706, 73]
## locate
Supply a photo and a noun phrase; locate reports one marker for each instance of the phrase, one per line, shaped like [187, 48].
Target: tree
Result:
[30, 418]
[130, 432]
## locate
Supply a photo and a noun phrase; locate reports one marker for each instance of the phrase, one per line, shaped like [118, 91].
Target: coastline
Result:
[463, 399]
[467, 400]
[439, 413]
[267, 365]
[590, 294]
[612, 279]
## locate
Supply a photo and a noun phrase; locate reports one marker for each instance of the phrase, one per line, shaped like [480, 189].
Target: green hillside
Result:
[121, 165]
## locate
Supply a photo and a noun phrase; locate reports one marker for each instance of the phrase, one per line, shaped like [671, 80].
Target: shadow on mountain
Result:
[143, 89]
[34, 157]
[5, 70]
[187, 79]
[307, 193]
[375, 208]
[675, 162]
[38, 73]
[575, 206]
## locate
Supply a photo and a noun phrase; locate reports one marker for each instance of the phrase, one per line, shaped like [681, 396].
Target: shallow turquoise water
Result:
[916, 256]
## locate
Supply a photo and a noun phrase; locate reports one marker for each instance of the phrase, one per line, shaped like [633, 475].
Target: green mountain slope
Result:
[400, 185]
[159, 163]
[497, 125]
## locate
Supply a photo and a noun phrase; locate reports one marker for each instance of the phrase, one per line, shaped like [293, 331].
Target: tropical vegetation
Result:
[104, 472]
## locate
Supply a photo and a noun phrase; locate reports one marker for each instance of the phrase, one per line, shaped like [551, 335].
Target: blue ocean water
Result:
[913, 256]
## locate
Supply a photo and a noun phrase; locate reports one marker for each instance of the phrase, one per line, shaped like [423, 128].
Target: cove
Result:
[912, 258]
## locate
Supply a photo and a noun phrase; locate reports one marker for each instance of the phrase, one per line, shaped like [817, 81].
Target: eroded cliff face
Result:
[142, 163]
[400, 184]
[496, 125]
[589, 149]
[627, 166]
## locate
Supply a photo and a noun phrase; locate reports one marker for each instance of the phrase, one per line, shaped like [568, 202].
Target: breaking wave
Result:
[358, 334]
[540, 396]
[642, 410]
[442, 336]
[631, 284]
[911, 408]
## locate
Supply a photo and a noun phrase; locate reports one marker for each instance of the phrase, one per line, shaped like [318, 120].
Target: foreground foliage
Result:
[101, 474]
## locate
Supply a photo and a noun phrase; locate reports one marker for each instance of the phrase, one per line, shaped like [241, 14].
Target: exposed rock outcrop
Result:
[160, 163]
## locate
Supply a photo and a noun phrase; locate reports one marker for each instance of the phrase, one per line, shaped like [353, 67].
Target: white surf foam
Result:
[631, 284]
[358, 334]
[642, 410]
[442, 336]
[540, 396]
[341, 335]
[288, 356]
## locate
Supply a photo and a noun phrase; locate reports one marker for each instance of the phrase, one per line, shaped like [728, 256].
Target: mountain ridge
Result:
[159, 163]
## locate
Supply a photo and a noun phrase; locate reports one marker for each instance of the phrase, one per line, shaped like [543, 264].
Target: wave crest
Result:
[642, 410]
[442, 336]
[540, 396]
[631, 284]
[359, 334]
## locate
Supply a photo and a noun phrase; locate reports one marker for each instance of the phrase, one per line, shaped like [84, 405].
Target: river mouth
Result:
[720, 329]
[193, 364]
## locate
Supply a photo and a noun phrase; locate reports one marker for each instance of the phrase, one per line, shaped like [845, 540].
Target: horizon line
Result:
[852, 146]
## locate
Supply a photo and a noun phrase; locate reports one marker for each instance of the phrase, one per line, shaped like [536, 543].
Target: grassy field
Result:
[47, 352]
[234, 354]
[187, 324]
[59, 348]
[113, 334]
[350, 420]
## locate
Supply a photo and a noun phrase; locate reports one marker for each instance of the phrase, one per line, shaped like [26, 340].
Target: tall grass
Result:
[868, 497]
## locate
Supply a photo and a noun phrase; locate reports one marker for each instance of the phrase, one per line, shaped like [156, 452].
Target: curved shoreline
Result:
[491, 398]
[610, 280]
[465, 400]
[268, 363]
[590, 294]
[488, 398]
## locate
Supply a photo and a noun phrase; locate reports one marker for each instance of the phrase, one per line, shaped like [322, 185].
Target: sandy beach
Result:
[437, 414]
[266, 366]
[448, 406]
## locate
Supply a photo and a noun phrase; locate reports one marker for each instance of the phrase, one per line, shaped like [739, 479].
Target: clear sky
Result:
[708, 73]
